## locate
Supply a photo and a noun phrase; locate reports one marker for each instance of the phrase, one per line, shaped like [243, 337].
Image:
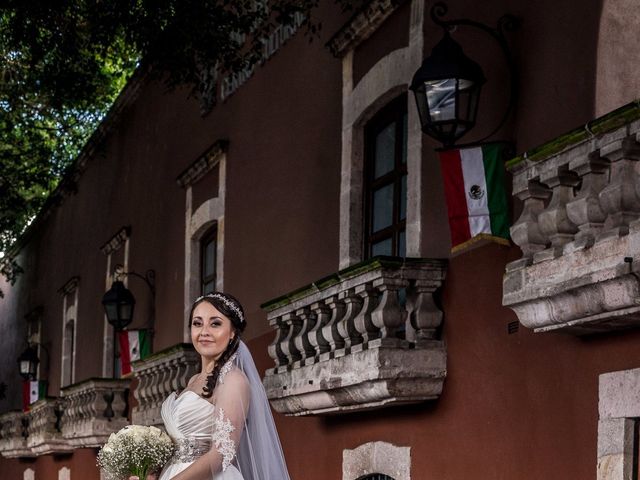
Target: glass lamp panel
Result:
[383, 247]
[24, 367]
[382, 208]
[126, 312]
[112, 311]
[441, 98]
[384, 151]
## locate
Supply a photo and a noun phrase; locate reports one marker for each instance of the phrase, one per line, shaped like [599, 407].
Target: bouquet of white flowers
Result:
[135, 450]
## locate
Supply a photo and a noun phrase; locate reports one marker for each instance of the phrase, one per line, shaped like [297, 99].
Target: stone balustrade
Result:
[579, 230]
[94, 409]
[13, 435]
[363, 338]
[83, 416]
[159, 375]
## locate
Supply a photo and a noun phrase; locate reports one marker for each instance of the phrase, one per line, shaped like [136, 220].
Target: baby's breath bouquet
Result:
[135, 450]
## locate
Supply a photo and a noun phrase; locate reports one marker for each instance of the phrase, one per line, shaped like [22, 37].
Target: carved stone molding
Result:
[361, 26]
[377, 458]
[117, 241]
[579, 231]
[84, 416]
[202, 164]
[363, 338]
[94, 409]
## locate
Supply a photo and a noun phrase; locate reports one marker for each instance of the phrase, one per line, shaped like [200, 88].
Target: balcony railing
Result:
[94, 409]
[363, 338]
[13, 435]
[84, 416]
[159, 375]
[579, 230]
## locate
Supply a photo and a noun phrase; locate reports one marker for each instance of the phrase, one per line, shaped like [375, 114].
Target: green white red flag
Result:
[32, 391]
[475, 190]
[134, 345]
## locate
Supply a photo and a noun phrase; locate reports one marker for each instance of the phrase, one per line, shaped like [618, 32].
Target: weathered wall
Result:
[514, 406]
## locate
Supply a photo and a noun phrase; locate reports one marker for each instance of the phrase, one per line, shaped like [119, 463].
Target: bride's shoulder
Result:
[234, 375]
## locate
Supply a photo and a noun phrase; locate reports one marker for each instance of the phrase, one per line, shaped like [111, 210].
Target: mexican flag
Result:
[474, 184]
[32, 391]
[134, 345]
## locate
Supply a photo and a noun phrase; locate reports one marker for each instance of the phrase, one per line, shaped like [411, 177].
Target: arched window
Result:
[386, 180]
[375, 476]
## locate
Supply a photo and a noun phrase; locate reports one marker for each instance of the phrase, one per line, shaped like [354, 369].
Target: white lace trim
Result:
[226, 368]
[222, 439]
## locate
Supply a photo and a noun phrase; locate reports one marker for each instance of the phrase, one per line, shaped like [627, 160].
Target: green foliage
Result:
[63, 62]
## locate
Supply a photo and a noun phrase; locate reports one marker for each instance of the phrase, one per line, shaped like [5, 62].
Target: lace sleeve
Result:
[231, 402]
[222, 438]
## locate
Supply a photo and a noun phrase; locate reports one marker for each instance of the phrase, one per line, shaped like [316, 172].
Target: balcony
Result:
[364, 338]
[159, 375]
[579, 230]
[84, 416]
[13, 435]
[94, 409]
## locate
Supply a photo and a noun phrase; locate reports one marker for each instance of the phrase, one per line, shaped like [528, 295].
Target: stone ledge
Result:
[363, 380]
[586, 291]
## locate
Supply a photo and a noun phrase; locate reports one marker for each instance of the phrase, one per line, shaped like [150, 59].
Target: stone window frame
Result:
[199, 222]
[377, 458]
[388, 78]
[29, 474]
[619, 411]
[69, 291]
[64, 473]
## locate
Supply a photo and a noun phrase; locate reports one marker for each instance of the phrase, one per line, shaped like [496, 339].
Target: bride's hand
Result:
[151, 476]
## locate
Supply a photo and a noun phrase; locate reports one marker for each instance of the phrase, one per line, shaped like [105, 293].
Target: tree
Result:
[63, 62]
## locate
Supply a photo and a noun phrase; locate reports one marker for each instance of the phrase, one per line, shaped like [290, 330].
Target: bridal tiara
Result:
[227, 303]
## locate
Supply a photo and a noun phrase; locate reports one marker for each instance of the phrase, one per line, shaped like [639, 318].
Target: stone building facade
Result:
[382, 355]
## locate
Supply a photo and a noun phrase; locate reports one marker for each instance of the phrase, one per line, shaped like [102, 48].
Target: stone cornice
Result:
[116, 242]
[203, 164]
[69, 286]
[361, 26]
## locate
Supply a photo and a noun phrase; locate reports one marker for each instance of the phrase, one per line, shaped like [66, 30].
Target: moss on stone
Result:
[612, 120]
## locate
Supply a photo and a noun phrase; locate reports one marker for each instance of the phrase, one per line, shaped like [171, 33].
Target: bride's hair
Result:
[230, 307]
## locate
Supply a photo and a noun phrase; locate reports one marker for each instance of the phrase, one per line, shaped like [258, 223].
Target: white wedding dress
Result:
[196, 426]
[234, 428]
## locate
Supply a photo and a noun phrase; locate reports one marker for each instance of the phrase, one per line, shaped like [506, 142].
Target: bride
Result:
[221, 423]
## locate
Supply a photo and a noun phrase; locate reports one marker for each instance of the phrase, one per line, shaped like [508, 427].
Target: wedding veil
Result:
[259, 454]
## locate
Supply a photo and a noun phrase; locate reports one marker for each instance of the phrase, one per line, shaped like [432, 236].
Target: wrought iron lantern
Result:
[28, 363]
[447, 87]
[119, 303]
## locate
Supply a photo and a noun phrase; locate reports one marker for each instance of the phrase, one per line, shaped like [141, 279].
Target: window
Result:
[386, 181]
[208, 246]
[69, 330]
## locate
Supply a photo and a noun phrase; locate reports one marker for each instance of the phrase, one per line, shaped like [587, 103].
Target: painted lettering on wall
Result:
[271, 44]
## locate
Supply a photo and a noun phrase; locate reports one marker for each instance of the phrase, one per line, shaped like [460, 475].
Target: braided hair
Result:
[230, 307]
